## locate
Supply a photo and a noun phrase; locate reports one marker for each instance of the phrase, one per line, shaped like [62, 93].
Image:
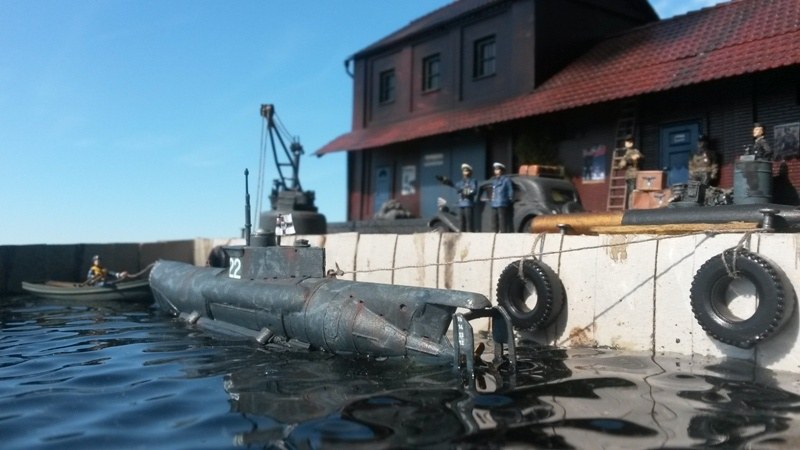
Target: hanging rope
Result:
[748, 233]
[731, 268]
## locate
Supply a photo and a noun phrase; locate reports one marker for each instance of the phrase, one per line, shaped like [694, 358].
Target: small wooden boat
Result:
[122, 290]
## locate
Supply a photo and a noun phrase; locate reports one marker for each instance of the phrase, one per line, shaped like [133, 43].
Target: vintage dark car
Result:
[533, 196]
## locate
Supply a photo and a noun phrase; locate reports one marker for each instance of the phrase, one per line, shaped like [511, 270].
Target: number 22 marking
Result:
[235, 271]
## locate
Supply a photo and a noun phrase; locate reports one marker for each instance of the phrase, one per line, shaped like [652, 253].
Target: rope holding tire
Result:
[775, 298]
[520, 279]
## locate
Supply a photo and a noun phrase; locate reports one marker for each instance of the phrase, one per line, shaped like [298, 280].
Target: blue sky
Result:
[133, 120]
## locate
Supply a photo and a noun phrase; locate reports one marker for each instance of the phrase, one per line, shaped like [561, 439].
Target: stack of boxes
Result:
[538, 170]
[650, 192]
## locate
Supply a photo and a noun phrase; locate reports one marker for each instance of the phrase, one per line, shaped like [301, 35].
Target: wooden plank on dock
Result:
[675, 228]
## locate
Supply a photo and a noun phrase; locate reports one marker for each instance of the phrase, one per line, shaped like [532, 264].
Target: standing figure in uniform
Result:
[703, 165]
[467, 188]
[760, 148]
[630, 162]
[502, 200]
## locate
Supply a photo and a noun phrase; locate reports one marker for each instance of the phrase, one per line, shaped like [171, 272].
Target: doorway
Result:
[383, 187]
[678, 141]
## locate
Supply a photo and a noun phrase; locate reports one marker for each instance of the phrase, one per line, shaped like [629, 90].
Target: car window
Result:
[561, 196]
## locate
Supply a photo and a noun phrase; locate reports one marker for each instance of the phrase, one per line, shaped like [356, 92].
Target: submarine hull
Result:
[339, 316]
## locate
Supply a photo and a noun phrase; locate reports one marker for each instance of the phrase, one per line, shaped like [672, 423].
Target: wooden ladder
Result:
[617, 188]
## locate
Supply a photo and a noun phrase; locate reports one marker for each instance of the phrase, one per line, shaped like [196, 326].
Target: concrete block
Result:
[465, 261]
[623, 314]
[783, 251]
[114, 257]
[203, 247]
[39, 263]
[579, 274]
[673, 327]
[183, 251]
[64, 263]
[548, 250]
[25, 263]
[375, 258]
[6, 260]
[340, 249]
[416, 259]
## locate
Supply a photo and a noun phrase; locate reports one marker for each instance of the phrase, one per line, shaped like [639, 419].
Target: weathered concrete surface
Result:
[375, 254]
[624, 291]
[413, 256]
[783, 350]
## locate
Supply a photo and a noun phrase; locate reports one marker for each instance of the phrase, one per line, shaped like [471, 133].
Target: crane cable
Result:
[261, 169]
[268, 124]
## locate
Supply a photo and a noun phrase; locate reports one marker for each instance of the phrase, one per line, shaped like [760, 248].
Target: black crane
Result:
[287, 195]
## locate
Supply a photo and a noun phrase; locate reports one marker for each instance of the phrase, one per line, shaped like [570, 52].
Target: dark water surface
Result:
[115, 375]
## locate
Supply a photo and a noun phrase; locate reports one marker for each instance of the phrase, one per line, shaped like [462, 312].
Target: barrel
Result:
[752, 182]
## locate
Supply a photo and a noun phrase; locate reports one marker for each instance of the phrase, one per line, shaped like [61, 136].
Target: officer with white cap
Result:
[502, 200]
[467, 188]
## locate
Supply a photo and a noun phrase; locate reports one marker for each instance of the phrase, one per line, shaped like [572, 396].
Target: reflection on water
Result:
[115, 375]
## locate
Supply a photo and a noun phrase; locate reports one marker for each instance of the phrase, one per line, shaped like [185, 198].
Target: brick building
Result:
[545, 81]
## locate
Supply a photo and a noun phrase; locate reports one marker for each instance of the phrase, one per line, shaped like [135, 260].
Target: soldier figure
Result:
[502, 200]
[100, 276]
[703, 165]
[760, 148]
[467, 188]
[630, 162]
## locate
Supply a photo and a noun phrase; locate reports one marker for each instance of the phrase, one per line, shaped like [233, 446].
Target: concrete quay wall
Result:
[623, 291]
[71, 262]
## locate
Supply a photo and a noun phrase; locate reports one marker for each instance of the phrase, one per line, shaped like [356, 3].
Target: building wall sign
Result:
[787, 140]
[595, 163]
[433, 160]
[409, 180]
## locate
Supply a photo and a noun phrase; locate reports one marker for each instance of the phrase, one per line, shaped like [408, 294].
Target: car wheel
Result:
[526, 225]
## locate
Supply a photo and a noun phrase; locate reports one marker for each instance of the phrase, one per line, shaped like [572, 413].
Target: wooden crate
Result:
[650, 199]
[538, 170]
[650, 180]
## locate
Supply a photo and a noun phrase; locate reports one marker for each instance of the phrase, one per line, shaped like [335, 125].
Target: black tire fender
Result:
[513, 292]
[775, 298]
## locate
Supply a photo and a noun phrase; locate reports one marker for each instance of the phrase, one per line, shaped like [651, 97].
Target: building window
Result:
[485, 57]
[431, 73]
[386, 86]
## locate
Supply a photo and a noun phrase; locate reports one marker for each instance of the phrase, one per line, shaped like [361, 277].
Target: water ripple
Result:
[115, 375]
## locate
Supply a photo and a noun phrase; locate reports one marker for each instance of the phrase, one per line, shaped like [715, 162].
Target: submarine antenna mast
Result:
[247, 225]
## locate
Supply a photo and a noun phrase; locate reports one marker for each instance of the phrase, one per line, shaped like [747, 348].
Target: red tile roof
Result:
[727, 40]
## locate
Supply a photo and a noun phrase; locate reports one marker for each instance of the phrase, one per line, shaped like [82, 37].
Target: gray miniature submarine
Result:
[283, 291]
